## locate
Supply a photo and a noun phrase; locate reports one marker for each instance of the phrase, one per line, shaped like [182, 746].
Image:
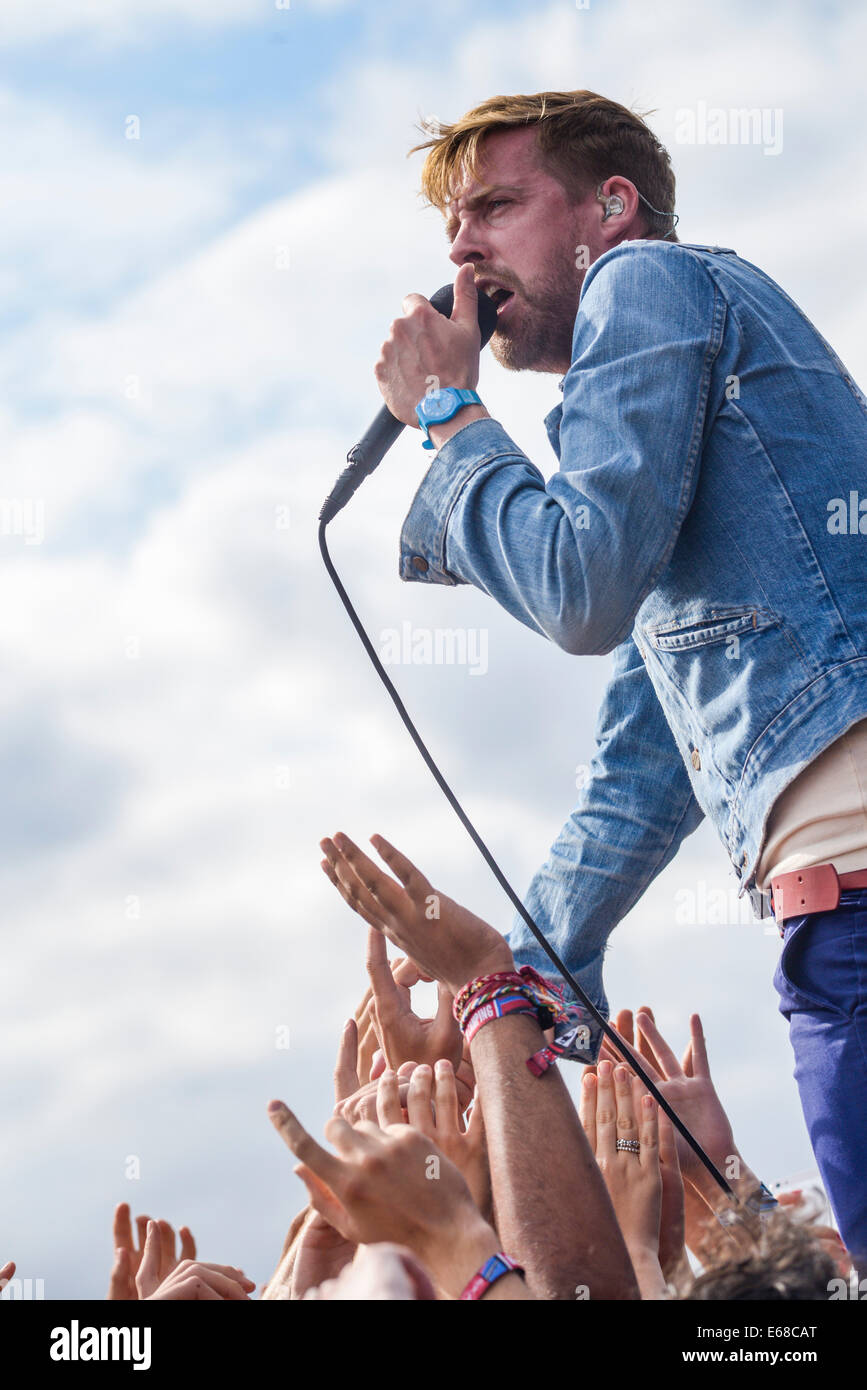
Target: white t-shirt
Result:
[821, 817]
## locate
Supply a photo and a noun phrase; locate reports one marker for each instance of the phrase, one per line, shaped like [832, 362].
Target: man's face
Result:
[524, 233]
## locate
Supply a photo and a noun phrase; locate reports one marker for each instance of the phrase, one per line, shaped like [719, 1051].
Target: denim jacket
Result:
[707, 525]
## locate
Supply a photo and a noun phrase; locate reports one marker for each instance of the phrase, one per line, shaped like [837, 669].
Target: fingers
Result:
[667, 1142]
[120, 1285]
[350, 1140]
[368, 1043]
[384, 895]
[188, 1244]
[624, 1026]
[606, 1053]
[698, 1048]
[448, 1115]
[666, 1061]
[587, 1106]
[648, 1134]
[444, 1019]
[386, 992]
[346, 1067]
[226, 1281]
[141, 1223]
[122, 1227]
[406, 972]
[6, 1273]
[388, 1106]
[302, 1144]
[606, 1113]
[148, 1278]
[168, 1259]
[365, 1000]
[412, 879]
[323, 1200]
[644, 1047]
[348, 885]
[418, 1101]
[627, 1123]
[195, 1282]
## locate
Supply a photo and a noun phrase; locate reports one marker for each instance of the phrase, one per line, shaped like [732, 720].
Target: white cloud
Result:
[186, 707]
[112, 22]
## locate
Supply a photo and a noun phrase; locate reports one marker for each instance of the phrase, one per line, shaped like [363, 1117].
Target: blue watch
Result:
[438, 406]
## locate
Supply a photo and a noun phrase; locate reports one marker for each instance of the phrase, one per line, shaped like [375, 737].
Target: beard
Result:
[538, 337]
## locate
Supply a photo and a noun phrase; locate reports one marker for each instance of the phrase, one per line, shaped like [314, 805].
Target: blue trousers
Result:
[821, 979]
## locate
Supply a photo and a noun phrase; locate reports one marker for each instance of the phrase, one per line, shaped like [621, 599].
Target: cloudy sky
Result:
[208, 223]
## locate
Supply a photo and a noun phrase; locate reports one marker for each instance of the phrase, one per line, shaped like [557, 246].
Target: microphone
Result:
[370, 450]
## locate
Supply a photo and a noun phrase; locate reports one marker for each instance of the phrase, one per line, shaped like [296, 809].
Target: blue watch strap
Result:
[459, 397]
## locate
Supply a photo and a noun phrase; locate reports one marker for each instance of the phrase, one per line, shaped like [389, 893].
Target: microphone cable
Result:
[459, 811]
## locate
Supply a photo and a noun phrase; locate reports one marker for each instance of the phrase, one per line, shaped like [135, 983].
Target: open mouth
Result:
[500, 298]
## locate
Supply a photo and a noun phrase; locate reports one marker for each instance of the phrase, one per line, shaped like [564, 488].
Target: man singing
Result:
[707, 525]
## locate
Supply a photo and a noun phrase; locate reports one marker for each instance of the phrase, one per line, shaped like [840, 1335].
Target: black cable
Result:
[579, 993]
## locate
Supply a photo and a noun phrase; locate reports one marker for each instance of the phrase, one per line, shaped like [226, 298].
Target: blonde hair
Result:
[582, 139]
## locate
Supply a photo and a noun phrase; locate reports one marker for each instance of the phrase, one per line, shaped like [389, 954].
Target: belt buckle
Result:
[816, 889]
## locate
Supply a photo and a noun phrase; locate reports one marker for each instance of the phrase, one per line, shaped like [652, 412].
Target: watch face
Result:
[439, 405]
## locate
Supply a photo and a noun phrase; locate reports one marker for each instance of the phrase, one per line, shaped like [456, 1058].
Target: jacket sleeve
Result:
[631, 816]
[575, 558]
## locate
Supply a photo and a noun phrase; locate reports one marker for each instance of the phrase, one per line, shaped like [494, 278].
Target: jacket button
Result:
[419, 563]
[696, 759]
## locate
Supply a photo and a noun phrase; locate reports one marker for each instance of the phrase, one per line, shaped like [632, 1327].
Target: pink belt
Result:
[811, 890]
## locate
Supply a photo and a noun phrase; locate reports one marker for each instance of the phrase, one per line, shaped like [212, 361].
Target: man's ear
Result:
[620, 210]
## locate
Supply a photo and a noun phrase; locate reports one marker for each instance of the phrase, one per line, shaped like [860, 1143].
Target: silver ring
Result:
[631, 1146]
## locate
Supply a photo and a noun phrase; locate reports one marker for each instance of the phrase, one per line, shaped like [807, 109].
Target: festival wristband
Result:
[492, 1270]
[496, 1008]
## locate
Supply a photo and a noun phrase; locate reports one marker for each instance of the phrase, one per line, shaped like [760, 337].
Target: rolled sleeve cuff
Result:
[423, 535]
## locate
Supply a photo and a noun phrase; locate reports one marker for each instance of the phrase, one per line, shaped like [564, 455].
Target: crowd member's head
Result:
[788, 1262]
[534, 189]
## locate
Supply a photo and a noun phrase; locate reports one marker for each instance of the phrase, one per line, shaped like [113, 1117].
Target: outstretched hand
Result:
[128, 1257]
[615, 1107]
[378, 1188]
[689, 1090]
[446, 941]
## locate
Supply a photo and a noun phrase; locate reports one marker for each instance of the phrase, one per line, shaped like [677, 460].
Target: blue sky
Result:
[184, 710]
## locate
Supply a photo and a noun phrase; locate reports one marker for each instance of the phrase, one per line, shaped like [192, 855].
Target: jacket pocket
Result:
[716, 626]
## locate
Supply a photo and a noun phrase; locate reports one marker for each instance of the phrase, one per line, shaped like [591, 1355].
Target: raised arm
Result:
[551, 1206]
[574, 558]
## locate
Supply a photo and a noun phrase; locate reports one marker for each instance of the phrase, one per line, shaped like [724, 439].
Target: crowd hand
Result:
[432, 1107]
[435, 1109]
[615, 1105]
[380, 1187]
[191, 1281]
[446, 941]
[672, 1229]
[404, 1036]
[689, 1090]
[128, 1258]
[314, 1251]
[827, 1236]
[6, 1273]
[384, 1272]
[370, 1062]
[279, 1286]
